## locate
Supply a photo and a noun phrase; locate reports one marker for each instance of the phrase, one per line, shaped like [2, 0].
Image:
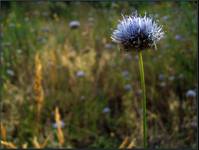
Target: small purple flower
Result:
[74, 24]
[139, 92]
[128, 87]
[125, 73]
[82, 97]
[165, 18]
[10, 72]
[190, 94]
[109, 46]
[45, 29]
[128, 57]
[193, 124]
[162, 84]
[171, 78]
[80, 73]
[161, 77]
[55, 125]
[106, 110]
[41, 40]
[178, 37]
[136, 57]
[45, 14]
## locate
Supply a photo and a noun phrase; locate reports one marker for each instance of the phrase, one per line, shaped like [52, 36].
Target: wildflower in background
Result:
[165, 18]
[162, 84]
[136, 57]
[128, 87]
[19, 51]
[109, 46]
[10, 72]
[137, 33]
[74, 24]
[128, 57]
[125, 73]
[190, 94]
[106, 110]
[139, 92]
[171, 78]
[41, 40]
[61, 124]
[161, 77]
[80, 73]
[45, 14]
[82, 97]
[45, 29]
[91, 19]
[178, 37]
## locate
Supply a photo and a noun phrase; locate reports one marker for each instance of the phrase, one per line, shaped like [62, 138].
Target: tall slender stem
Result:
[141, 68]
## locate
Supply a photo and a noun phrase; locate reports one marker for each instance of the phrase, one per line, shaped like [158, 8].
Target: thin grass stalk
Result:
[8, 144]
[141, 68]
[38, 90]
[3, 132]
[124, 143]
[60, 133]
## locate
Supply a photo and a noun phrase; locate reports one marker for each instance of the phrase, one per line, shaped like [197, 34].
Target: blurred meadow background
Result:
[66, 84]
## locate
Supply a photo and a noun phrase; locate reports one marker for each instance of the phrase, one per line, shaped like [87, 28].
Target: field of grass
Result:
[78, 77]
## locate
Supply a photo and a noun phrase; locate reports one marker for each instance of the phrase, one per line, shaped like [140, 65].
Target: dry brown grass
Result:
[60, 134]
[8, 144]
[38, 89]
[3, 131]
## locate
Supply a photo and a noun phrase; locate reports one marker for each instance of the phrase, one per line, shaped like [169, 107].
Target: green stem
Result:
[141, 68]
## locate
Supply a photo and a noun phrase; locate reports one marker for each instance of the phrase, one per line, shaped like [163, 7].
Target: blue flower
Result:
[74, 24]
[162, 84]
[45, 29]
[128, 87]
[106, 110]
[137, 33]
[161, 77]
[125, 73]
[191, 94]
[55, 125]
[165, 18]
[128, 57]
[171, 78]
[109, 46]
[10, 72]
[80, 73]
[178, 37]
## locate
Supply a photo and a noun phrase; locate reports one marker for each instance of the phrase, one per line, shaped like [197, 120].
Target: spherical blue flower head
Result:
[137, 33]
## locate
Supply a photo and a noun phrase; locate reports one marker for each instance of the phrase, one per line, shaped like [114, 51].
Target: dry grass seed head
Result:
[60, 134]
[38, 89]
